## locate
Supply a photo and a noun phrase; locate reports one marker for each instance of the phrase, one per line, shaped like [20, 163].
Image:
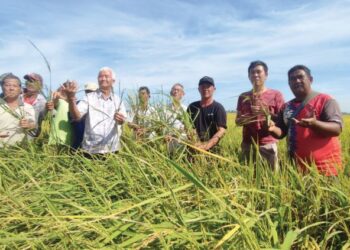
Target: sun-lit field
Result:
[142, 199]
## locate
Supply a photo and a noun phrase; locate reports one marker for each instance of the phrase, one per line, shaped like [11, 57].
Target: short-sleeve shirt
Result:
[207, 120]
[102, 134]
[39, 105]
[307, 145]
[145, 118]
[61, 131]
[9, 123]
[272, 101]
[175, 118]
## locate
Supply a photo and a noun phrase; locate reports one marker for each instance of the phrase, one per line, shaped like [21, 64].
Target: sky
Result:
[158, 43]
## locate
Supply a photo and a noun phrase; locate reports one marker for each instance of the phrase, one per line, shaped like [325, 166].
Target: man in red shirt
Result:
[312, 122]
[253, 109]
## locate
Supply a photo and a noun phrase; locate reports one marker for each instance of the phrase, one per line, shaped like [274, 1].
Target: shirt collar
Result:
[20, 100]
[100, 95]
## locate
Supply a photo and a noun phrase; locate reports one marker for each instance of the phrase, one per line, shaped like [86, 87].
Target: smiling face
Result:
[257, 76]
[177, 92]
[300, 83]
[206, 90]
[105, 80]
[11, 89]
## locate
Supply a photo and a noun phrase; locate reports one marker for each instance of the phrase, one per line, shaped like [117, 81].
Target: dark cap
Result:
[34, 77]
[206, 79]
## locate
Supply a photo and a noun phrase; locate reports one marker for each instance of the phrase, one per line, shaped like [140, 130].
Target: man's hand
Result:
[70, 88]
[203, 146]
[50, 106]
[119, 118]
[26, 124]
[270, 126]
[256, 109]
[140, 132]
[306, 122]
[4, 134]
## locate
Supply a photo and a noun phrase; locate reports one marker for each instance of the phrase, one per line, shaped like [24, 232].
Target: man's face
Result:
[206, 90]
[177, 92]
[144, 96]
[105, 80]
[257, 76]
[300, 83]
[11, 88]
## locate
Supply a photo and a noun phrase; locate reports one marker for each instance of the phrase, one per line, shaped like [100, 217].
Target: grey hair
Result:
[110, 70]
[178, 84]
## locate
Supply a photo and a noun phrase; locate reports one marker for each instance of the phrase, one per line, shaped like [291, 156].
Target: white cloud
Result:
[158, 43]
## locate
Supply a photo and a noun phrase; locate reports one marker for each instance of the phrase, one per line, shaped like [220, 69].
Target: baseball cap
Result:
[206, 79]
[34, 77]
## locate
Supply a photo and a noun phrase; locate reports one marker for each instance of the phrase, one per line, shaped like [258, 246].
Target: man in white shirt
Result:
[16, 117]
[176, 116]
[105, 114]
[144, 116]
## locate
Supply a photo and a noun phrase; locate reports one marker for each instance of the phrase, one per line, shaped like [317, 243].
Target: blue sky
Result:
[158, 43]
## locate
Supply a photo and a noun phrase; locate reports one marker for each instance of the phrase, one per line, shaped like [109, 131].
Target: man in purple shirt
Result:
[254, 109]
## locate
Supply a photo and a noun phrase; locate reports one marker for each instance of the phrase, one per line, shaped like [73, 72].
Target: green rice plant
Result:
[142, 199]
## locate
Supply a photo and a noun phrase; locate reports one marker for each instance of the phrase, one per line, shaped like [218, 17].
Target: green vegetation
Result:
[142, 199]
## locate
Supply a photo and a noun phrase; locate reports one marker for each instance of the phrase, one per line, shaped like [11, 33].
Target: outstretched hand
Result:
[306, 122]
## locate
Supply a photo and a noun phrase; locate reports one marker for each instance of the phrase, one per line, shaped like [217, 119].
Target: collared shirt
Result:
[39, 105]
[175, 118]
[271, 101]
[146, 118]
[9, 122]
[102, 133]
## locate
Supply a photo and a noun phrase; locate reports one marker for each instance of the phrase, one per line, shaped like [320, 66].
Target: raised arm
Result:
[71, 89]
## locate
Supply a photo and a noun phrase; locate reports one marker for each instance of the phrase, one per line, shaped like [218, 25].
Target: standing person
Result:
[61, 131]
[208, 116]
[32, 95]
[144, 115]
[16, 117]
[176, 117]
[312, 122]
[253, 107]
[105, 114]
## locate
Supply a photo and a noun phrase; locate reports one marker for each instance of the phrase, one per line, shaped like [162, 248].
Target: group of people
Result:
[311, 121]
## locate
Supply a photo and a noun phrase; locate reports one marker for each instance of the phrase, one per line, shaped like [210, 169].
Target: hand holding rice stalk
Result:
[24, 123]
[259, 111]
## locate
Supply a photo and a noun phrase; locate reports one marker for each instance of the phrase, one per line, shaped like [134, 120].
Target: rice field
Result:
[143, 199]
